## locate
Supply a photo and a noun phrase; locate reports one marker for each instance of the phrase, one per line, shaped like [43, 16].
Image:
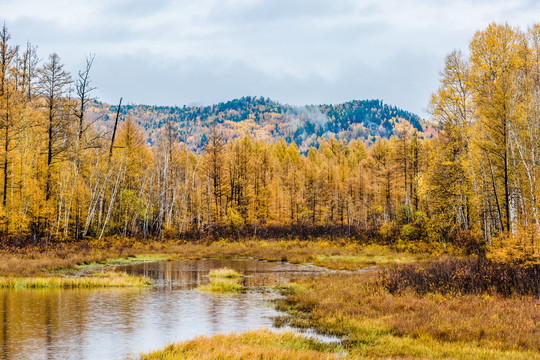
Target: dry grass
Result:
[332, 254]
[223, 285]
[371, 255]
[224, 280]
[108, 279]
[31, 261]
[340, 255]
[260, 344]
[224, 273]
[376, 323]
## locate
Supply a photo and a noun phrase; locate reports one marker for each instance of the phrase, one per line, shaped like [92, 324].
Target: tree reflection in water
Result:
[111, 323]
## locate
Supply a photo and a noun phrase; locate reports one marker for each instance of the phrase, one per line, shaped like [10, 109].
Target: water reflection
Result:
[188, 274]
[111, 323]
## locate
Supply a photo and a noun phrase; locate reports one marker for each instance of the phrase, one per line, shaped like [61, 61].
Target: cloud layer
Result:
[300, 52]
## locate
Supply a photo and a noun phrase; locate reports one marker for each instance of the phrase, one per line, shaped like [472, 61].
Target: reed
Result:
[224, 273]
[98, 280]
[223, 285]
[261, 344]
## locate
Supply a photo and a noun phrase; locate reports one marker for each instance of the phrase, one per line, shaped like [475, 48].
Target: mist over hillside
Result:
[268, 120]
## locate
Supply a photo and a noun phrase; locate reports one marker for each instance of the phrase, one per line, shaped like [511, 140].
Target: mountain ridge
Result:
[268, 120]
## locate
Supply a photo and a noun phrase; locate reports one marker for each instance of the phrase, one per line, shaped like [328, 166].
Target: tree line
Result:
[264, 119]
[63, 179]
[486, 168]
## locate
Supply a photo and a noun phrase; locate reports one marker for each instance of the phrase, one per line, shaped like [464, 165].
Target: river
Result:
[116, 323]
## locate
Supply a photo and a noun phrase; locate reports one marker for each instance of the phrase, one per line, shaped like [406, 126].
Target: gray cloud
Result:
[272, 11]
[298, 52]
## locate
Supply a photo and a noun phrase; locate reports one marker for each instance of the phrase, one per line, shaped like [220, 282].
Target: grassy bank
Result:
[108, 279]
[376, 323]
[91, 255]
[440, 310]
[250, 345]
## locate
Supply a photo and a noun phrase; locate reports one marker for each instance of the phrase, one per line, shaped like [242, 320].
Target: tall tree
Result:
[83, 88]
[497, 59]
[53, 84]
[451, 176]
[27, 74]
[215, 169]
[8, 97]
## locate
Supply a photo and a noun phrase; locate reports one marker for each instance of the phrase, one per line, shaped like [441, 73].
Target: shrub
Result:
[463, 276]
[470, 242]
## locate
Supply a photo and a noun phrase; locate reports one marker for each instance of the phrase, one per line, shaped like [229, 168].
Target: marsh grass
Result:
[376, 323]
[224, 280]
[91, 255]
[290, 288]
[261, 344]
[364, 260]
[96, 266]
[224, 273]
[223, 286]
[108, 279]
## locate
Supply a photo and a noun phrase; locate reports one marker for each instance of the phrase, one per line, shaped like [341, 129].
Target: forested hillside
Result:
[264, 119]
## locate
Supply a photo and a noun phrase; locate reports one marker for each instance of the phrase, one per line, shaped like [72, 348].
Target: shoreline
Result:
[349, 304]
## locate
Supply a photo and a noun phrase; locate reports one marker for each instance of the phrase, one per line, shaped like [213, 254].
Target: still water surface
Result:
[114, 323]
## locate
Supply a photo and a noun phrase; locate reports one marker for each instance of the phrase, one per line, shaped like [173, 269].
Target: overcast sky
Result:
[168, 52]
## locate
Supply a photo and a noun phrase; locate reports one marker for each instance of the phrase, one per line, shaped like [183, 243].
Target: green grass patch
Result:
[96, 280]
[223, 284]
[224, 280]
[225, 273]
[290, 288]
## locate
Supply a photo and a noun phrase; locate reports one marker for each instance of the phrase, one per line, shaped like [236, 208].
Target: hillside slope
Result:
[268, 120]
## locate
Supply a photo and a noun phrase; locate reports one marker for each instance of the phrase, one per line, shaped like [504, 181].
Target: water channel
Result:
[116, 323]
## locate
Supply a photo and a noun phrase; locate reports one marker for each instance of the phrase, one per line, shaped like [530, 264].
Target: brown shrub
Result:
[463, 276]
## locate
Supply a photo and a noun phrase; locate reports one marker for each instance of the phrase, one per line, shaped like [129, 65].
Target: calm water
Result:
[113, 323]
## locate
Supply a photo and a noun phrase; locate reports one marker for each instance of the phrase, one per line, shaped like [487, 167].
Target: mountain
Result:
[268, 120]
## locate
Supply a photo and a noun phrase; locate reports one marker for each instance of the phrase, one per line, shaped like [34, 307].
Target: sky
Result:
[299, 52]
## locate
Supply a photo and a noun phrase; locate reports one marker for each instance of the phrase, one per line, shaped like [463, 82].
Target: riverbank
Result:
[95, 280]
[262, 344]
[69, 265]
[373, 319]
[378, 321]
[74, 258]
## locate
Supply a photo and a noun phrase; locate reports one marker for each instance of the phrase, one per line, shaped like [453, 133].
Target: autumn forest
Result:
[64, 179]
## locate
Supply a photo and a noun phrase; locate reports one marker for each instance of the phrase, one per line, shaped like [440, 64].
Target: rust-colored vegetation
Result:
[420, 319]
